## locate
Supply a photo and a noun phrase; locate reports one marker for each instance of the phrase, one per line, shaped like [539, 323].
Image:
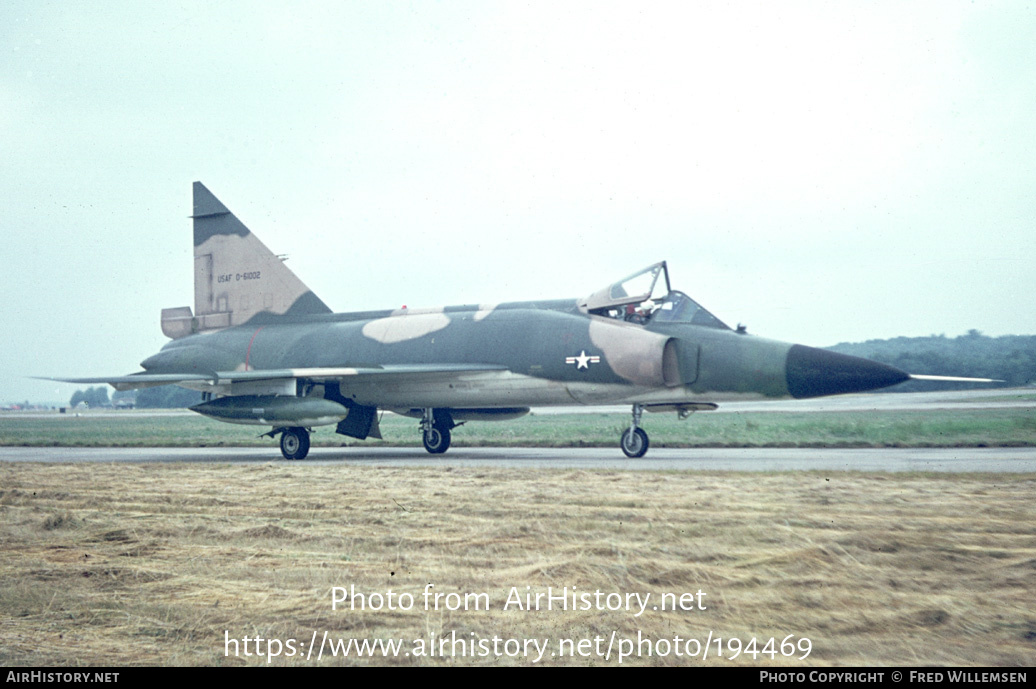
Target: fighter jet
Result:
[265, 350]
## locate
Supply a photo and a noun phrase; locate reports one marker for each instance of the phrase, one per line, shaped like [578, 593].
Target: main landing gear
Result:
[435, 430]
[634, 441]
[294, 442]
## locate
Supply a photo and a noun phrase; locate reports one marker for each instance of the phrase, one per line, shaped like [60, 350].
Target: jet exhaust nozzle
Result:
[813, 372]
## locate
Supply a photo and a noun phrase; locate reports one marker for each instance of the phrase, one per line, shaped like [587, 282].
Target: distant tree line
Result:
[93, 397]
[1011, 358]
[164, 397]
[167, 397]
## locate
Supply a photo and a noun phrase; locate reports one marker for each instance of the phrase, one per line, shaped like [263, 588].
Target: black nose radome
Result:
[815, 372]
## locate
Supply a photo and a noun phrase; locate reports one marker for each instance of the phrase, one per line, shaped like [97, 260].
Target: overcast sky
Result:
[822, 172]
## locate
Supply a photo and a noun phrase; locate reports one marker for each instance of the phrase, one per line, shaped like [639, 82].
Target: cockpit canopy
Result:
[644, 298]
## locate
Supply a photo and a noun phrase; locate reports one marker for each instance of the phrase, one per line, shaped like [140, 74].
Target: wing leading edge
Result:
[398, 372]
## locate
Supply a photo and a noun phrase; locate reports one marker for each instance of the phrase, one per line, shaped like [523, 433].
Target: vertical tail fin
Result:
[235, 276]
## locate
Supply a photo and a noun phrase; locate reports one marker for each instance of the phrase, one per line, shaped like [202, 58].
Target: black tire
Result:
[634, 444]
[436, 440]
[295, 443]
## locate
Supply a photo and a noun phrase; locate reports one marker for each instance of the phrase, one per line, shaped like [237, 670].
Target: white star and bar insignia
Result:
[583, 360]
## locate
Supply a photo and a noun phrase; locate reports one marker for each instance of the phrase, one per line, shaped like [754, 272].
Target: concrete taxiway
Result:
[996, 460]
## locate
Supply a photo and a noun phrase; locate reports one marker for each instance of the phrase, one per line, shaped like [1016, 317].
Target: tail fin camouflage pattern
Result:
[235, 276]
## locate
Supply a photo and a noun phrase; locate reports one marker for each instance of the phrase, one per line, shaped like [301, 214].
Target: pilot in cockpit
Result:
[640, 313]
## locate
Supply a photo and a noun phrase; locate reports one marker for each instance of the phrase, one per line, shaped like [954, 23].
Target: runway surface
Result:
[951, 460]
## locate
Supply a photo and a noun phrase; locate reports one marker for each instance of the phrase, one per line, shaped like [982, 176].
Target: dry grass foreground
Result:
[153, 564]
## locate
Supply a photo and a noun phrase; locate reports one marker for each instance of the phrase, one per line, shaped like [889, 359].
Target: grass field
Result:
[929, 428]
[162, 564]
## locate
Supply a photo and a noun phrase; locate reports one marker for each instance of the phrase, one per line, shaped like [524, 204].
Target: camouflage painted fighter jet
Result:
[265, 350]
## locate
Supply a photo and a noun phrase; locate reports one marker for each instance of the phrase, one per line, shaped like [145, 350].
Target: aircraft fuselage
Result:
[536, 354]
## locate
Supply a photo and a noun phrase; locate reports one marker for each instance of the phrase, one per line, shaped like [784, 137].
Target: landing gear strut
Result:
[435, 431]
[634, 441]
[295, 443]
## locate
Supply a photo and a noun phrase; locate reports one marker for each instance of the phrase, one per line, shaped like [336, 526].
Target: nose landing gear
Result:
[634, 441]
